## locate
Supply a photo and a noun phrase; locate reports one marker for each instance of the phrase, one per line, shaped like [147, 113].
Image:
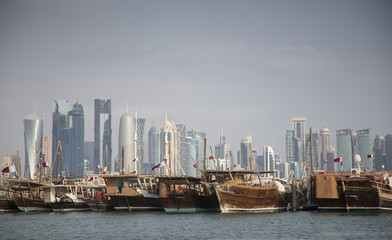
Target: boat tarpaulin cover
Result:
[326, 186]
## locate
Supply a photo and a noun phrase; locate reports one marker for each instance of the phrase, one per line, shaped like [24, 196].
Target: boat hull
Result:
[136, 203]
[70, 206]
[100, 206]
[189, 202]
[32, 205]
[8, 205]
[237, 198]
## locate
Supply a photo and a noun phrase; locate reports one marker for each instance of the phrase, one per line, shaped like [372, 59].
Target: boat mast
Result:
[58, 160]
[107, 159]
[205, 145]
[311, 150]
[17, 162]
[250, 156]
[122, 160]
[136, 141]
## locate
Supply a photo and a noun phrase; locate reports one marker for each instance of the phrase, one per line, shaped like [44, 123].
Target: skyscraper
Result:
[60, 120]
[102, 133]
[388, 152]
[33, 136]
[197, 140]
[126, 140]
[183, 155]
[325, 146]
[290, 146]
[140, 125]
[364, 146]
[168, 146]
[299, 127]
[76, 141]
[269, 158]
[153, 148]
[245, 147]
[315, 150]
[344, 149]
[379, 153]
[222, 152]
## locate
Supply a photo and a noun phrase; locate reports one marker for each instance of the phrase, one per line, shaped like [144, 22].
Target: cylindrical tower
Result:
[126, 139]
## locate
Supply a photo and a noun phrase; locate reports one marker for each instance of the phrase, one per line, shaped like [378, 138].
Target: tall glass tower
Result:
[60, 119]
[76, 141]
[299, 127]
[246, 153]
[153, 148]
[33, 134]
[344, 149]
[364, 146]
[102, 133]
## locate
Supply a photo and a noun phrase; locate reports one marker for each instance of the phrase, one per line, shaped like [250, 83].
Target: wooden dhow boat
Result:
[186, 194]
[99, 201]
[28, 196]
[66, 198]
[133, 192]
[248, 191]
[7, 203]
[355, 190]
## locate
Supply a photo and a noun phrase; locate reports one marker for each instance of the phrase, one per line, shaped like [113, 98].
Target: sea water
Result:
[161, 225]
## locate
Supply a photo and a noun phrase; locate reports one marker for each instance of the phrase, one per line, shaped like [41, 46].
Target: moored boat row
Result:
[214, 191]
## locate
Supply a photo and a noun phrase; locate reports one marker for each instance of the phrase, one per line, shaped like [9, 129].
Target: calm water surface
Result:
[160, 225]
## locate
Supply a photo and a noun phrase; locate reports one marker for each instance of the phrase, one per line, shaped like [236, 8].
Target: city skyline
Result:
[244, 67]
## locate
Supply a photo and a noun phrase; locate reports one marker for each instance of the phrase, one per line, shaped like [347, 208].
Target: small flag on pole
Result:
[156, 166]
[370, 156]
[6, 170]
[339, 159]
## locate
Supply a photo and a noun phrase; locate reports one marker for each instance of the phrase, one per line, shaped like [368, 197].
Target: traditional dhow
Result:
[133, 193]
[353, 190]
[248, 191]
[182, 194]
[99, 201]
[29, 196]
[66, 198]
[7, 204]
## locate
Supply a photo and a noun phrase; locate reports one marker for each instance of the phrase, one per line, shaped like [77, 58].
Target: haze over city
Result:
[247, 67]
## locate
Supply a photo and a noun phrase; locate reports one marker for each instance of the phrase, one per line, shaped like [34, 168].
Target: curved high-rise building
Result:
[33, 134]
[126, 139]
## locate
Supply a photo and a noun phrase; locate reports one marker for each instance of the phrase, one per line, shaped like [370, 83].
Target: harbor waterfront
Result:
[161, 225]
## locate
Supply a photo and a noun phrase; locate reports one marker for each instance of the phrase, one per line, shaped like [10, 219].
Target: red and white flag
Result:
[339, 159]
[6, 170]
[370, 156]
[156, 166]
[46, 164]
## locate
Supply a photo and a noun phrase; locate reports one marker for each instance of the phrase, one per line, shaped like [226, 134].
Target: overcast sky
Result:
[247, 67]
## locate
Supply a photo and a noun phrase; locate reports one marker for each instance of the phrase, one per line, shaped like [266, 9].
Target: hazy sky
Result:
[247, 67]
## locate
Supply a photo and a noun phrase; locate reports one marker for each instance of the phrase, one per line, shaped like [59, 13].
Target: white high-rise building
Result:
[169, 149]
[33, 134]
[269, 158]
